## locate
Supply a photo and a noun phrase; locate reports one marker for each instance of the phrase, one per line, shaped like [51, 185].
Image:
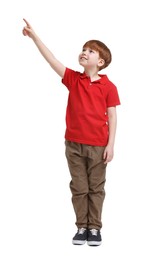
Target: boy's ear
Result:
[101, 62]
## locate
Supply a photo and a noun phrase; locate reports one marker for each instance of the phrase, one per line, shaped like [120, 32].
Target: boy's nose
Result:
[84, 52]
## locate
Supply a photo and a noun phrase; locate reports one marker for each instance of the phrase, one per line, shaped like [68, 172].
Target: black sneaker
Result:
[80, 237]
[94, 237]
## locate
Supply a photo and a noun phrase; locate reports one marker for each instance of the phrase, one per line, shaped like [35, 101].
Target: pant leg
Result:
[79, 182]
[96, 177]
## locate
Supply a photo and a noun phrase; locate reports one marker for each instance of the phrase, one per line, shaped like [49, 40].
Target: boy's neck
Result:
[92, 74]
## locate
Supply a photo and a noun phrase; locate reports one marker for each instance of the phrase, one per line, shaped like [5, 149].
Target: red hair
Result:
[102, 49]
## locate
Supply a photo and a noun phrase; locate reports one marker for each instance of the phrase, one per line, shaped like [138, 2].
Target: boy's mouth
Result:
[83, 58]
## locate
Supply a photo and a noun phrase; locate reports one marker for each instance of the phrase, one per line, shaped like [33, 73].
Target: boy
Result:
[90, 132]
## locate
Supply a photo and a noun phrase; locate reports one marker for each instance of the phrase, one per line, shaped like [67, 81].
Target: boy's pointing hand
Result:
[28, 30]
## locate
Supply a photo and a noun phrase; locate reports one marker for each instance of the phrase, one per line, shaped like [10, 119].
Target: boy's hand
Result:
[28, 30]
[108, 154]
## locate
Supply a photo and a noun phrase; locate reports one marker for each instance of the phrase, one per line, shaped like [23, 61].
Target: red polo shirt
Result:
[86, 115]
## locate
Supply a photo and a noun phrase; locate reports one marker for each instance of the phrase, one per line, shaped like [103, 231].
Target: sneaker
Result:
[80, 237]
[94, 237]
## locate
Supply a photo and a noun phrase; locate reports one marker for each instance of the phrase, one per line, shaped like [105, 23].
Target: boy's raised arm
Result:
[57, 66]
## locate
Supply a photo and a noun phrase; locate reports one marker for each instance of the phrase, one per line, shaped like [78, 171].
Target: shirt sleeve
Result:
[69, 78]
[113, 97]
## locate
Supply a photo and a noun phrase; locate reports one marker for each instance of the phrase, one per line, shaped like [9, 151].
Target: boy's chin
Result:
[81, 64]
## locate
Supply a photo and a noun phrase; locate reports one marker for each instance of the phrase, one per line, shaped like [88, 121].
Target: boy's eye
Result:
[91, 51]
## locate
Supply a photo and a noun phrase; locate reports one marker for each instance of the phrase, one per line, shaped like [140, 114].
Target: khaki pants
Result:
[87, 171]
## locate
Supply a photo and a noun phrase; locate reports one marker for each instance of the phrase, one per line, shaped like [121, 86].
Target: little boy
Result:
[90, 132]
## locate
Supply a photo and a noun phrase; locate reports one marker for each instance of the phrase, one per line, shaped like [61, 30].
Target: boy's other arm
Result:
[109, 150]
[56, 65]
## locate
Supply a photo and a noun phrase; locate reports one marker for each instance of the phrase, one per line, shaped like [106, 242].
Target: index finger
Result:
[27, 23]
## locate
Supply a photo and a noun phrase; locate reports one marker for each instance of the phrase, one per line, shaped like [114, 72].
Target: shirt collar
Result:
[103, 78]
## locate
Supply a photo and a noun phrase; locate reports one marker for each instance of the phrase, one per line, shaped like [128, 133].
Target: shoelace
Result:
[94, 232]
[81, 230]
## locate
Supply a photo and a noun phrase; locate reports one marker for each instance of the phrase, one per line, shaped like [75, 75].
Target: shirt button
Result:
[105, 113]
[106, 123]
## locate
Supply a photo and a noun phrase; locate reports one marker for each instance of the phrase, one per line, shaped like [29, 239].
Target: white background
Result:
[36, 215]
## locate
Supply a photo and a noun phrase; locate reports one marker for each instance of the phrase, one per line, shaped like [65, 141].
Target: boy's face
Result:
[89, 59]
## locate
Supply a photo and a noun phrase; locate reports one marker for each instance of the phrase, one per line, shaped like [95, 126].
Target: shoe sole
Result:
[94, 243]
[78, 242]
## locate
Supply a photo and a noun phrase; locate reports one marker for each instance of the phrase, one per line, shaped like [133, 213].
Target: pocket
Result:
[98, 152]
